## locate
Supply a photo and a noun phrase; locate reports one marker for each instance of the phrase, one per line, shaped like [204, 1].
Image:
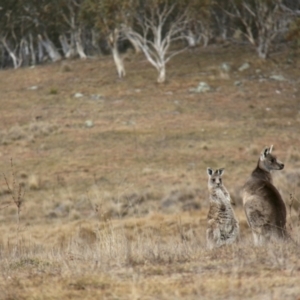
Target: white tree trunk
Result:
[161, 74]
[113, 42]
[118, 62]
[41, 55]
[79, 46]
[64, 44]
[134, 44]
[206, 40]
[191, 39]
[14, 58]
[50, 48]
[262, 48]
[24, 52]
[68, 48]
[31, 46]
[16, 61]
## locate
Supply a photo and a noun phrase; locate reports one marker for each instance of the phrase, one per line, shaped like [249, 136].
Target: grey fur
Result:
[222, 225]
[264, 208]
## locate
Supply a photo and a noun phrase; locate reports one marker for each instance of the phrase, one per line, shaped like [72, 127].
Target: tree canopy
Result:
[32, 31]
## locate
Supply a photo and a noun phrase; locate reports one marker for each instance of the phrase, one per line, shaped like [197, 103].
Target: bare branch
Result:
[290, 11]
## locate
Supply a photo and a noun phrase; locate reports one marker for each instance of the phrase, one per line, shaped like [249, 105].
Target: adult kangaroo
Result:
[264, 208]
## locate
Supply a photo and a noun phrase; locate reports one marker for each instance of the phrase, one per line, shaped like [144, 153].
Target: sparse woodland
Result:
[33, 32]
[103, 187]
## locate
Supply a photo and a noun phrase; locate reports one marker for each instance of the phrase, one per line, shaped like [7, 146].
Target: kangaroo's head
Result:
[214, 177]
[268, 162]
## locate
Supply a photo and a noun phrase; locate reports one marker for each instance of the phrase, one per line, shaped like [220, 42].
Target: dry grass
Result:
[118, 210]
[158, 256]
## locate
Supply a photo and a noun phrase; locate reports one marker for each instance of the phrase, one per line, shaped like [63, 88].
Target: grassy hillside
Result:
[114, 174]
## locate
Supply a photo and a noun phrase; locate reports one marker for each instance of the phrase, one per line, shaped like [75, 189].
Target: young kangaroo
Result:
[264, 207]
[222, 225]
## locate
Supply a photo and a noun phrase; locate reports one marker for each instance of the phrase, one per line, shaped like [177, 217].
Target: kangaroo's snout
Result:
[281, 166]
[218, 182]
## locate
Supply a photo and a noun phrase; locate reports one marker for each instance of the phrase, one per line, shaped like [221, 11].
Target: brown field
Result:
[115, 181]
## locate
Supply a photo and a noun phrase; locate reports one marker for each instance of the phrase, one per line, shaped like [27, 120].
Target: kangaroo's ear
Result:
[210, 171]
[264, 153]
[221, 171]
[271, 148]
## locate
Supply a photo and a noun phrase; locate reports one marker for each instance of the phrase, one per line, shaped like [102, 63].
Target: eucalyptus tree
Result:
[31, 30]
[71, 27]
[108, 17]
[199, 24]
[158, 24]
[261, 21]
[222, 22]
[44, 21]
[58, 23]
[12, 28]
